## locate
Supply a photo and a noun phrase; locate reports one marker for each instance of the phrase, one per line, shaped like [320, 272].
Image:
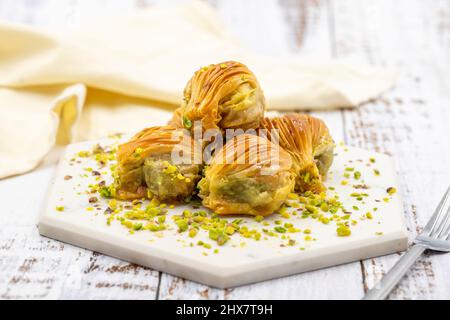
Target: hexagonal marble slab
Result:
[241, 260]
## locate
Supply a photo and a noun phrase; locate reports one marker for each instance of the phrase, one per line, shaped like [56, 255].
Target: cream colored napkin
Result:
[128, 72]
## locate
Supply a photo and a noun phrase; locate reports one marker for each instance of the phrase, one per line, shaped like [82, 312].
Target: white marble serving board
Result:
[241, 260]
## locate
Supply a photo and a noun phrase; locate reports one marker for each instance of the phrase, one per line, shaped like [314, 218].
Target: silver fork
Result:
[435, 236]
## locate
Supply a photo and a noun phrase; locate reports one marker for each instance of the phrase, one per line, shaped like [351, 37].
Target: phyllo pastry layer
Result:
[249, 175]
[222, 96]
[308, 141]
[158, 161]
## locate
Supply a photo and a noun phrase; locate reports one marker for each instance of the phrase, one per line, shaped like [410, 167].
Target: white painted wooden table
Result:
[411, 123]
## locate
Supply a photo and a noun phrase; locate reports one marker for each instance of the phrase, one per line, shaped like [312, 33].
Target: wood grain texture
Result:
[410, 123]
[342, 282]
[34, 267]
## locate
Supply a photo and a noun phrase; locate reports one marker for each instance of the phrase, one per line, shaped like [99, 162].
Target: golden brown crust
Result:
[150, 140]
[154, 141]
[308, 141]
[223, 95]
[176, 120]
[246, 162]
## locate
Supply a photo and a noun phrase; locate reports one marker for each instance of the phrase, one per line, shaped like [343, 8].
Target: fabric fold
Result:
[33, 121]
[133, 69]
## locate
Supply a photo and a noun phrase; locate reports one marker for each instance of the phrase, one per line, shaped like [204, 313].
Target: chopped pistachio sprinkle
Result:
[187, 123]
[259, 218]
[280, 229]
[391, 190]
[287, 225]
[343, 231]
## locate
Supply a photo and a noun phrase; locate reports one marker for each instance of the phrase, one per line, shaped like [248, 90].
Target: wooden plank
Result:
[273, 40]
[36, 267]
[410, 122]
[39, 268]
[258, 25]
[342, 282]
[307, 27]
[411, 34]
[54, 13]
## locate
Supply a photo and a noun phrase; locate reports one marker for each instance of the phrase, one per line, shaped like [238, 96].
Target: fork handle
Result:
[390, 280]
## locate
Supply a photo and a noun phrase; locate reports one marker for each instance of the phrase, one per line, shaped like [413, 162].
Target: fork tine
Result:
[447, 232]
[444, 226]
[429, 228]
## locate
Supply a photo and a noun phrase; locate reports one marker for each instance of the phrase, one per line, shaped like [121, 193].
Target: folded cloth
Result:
[124, 73]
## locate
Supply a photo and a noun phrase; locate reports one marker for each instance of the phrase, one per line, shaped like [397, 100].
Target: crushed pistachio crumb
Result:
[343, 231]
[187, 123]
[259, 218]
[391, 190]
[280, 229]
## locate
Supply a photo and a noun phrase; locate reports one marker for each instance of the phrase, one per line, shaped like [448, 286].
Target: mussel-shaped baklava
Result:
[221, 96]
[249, 175]
[158, 162]
[308, 141]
